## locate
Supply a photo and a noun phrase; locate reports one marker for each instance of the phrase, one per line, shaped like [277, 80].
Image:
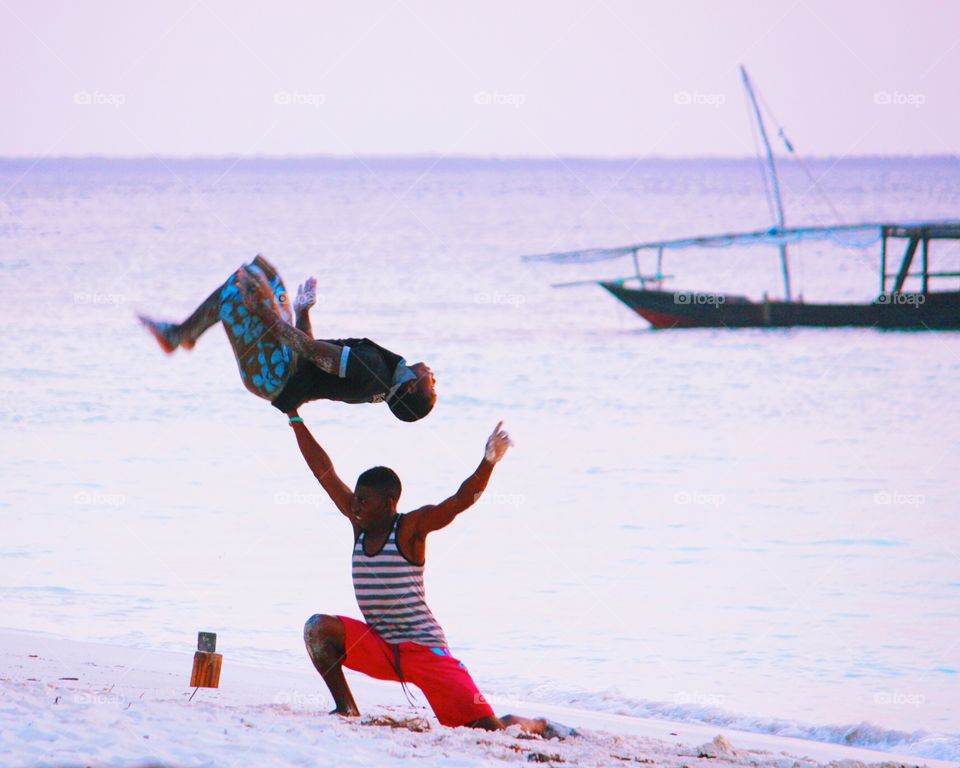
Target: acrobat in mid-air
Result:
[279, 359]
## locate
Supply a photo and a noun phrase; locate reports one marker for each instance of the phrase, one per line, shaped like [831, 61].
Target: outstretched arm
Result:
[437, 516]
[321, 466]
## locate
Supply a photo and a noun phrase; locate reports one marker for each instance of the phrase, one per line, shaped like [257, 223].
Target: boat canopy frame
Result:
[917, 234]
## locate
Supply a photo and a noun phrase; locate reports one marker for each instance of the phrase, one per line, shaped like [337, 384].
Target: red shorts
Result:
[445, 682]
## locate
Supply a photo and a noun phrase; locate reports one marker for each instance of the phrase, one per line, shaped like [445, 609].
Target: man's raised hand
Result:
[306, 295]
[497, 444]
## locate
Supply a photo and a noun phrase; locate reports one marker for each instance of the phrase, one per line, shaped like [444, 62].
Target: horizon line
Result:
[440, 156]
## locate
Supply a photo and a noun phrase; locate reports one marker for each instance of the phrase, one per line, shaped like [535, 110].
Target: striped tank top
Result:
[390, 593]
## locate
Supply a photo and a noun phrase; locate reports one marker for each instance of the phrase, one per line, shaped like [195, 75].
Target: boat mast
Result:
[773, 177]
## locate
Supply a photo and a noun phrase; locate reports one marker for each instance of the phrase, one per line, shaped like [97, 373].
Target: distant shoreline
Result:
[460, 160]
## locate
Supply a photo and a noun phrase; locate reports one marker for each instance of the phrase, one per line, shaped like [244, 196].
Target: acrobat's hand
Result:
[306, 295]
[497, 444]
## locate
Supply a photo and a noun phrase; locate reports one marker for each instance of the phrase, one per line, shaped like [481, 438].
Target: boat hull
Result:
[685, 309]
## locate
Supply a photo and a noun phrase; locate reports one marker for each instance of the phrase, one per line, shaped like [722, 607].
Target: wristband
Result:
[295, 419]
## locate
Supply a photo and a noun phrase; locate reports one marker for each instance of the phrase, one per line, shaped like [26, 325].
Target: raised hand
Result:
[306, 295]
[497, 444]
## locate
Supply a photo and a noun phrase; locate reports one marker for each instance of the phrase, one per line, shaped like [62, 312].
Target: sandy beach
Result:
[70, 703]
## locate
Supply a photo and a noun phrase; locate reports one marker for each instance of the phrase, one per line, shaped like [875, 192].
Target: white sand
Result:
[130, 707]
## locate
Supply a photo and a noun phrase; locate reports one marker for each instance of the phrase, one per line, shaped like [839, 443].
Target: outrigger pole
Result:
[773, 177]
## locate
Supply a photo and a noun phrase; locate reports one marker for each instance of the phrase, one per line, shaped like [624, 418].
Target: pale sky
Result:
[538, 78]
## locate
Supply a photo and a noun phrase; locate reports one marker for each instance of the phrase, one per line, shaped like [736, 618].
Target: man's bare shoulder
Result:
[409, 521]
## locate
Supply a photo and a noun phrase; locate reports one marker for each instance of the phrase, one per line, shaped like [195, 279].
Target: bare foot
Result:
[166, 334]
[555, 730]
[539, 726]
[345, 712]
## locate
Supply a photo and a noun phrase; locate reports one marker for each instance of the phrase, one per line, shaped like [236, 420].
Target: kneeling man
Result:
[399, 638]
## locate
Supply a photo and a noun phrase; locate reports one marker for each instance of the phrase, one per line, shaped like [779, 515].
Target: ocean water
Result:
[755, 528]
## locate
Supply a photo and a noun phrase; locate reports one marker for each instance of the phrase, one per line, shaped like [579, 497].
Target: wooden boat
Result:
[892, 308]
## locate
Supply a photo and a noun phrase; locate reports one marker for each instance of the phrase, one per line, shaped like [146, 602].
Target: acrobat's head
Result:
[416, 398]
[375, 497]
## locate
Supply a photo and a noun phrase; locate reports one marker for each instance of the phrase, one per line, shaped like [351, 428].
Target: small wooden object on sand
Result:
[206, 663]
